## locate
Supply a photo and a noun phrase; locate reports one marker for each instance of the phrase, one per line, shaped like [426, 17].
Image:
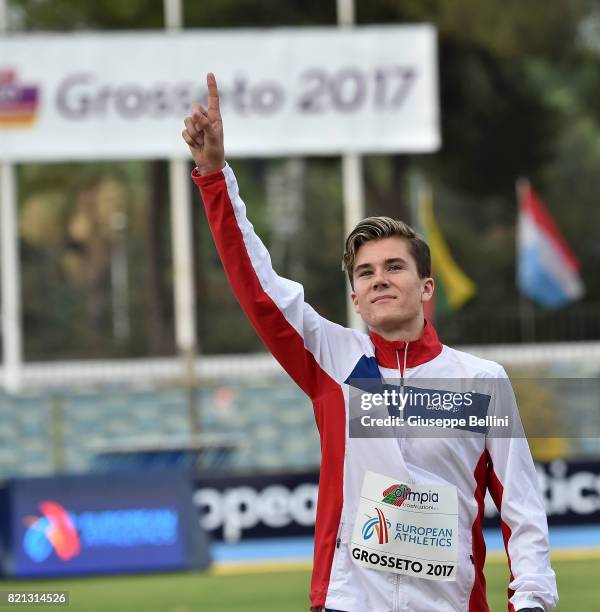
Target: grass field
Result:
[285, 591]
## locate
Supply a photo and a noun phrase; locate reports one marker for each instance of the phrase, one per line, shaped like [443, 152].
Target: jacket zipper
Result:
[338, 540]
[402, 370]
[398, 604]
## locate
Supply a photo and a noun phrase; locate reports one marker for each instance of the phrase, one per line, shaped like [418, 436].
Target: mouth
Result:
[383, 298]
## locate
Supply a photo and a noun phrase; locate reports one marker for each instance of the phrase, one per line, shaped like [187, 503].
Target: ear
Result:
[355, 302]
[428, 289]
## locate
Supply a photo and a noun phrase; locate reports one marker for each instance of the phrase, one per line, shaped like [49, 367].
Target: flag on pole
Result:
[452, 287]
[547, 268]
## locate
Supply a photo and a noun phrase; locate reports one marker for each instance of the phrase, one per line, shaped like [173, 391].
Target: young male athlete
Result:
[399, 517]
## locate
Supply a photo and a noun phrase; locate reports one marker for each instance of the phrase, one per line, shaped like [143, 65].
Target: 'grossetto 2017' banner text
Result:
[313, 91]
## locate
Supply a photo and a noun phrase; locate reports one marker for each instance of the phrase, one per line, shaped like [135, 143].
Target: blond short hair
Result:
[377, 228]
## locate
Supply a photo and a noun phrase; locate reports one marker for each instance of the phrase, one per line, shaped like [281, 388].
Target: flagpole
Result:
[415, 185]
[526, 309]
[527, 319]
[418, 189]
[353, 190]
[180, 197]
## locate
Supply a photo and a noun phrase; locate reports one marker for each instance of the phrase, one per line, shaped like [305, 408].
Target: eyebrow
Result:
[387, 262]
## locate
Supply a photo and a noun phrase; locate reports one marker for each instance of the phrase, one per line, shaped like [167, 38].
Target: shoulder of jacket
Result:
[477, 366]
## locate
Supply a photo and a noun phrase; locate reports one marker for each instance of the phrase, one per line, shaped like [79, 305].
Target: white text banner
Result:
[314, 91]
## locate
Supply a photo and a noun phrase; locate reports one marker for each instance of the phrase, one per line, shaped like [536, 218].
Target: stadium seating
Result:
[67, 430]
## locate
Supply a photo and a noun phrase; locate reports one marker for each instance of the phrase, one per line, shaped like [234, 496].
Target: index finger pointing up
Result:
[213, 92]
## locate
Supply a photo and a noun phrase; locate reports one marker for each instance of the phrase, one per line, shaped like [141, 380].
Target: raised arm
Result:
[315, 352]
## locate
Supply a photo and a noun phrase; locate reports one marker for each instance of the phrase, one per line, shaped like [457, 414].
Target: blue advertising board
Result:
[101, 523]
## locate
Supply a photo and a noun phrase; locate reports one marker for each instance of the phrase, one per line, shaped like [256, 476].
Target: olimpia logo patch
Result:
[396, 494]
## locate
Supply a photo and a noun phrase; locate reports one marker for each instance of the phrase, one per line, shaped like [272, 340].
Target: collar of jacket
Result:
[419, 351]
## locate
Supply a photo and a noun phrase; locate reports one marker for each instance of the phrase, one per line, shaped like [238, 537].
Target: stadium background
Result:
[102, 386]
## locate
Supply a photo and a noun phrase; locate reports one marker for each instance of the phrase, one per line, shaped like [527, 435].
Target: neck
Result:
[408, 332]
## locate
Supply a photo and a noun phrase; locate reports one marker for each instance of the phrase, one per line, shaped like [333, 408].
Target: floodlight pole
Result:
[183, 262]
[352, 176]
[12, 343]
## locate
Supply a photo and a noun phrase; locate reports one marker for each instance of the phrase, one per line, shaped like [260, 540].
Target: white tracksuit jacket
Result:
[321, 356]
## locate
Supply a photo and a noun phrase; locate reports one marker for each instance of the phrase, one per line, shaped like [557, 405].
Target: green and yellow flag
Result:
[452, 287]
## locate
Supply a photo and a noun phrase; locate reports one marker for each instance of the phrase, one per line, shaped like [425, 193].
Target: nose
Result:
[379, 280]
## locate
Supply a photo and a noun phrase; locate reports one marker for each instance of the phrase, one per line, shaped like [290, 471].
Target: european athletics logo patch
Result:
[378, 524]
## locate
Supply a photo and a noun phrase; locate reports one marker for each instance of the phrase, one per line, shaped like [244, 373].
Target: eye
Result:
[395, 267]
[365, 273]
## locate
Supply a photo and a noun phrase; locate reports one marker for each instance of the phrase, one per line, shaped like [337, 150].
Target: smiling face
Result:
[388, 292]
